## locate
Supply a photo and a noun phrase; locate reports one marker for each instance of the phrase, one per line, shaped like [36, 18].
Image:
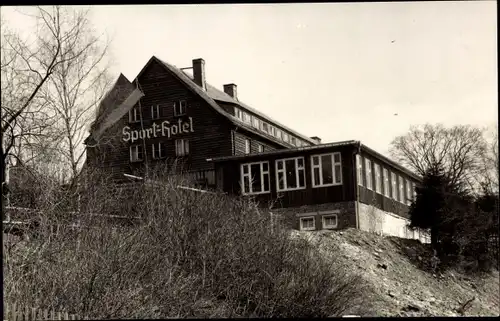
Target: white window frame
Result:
[247, 118]
[238, 113]
[155, 108]
[161, 149]
[286, 137]
[279, 133]
[134, 151]
[260, 148]
[301, 225]
[180, 108]
[297, 171]
[320, 167]
[293, 140]
[181, 147]
[387, 182]
[368, 174]
[249, 176]
[325, 215]
[136, 115]
[401, 189]
[394, 186]
[359, 166]
[247, 146]
[378, 178]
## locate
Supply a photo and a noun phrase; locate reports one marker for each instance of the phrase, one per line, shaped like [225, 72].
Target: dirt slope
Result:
[399, 279]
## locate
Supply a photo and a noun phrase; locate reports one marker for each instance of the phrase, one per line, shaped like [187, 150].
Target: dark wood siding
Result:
[211, 136]
[309, 195]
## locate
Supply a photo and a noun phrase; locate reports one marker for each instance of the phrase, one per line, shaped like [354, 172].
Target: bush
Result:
[191, 254]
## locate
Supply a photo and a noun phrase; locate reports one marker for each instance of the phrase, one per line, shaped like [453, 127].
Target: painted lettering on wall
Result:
[165, 129]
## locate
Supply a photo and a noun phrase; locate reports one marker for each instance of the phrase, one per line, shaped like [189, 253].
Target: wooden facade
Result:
[349, 166]
[212, 123]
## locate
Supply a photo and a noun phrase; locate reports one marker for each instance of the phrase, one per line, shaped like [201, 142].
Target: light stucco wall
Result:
[372, 219]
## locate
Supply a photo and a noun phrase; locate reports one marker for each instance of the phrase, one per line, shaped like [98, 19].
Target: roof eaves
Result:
[283, 151]
[390, 161]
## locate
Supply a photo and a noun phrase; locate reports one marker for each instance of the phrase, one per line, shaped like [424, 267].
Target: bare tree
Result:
[456, 149]
[487, 176]
[74, 91]
[28, 62]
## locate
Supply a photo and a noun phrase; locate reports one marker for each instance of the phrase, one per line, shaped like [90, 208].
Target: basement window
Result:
[255, 178]
[307, 223]
[330, 221]
[136, 153]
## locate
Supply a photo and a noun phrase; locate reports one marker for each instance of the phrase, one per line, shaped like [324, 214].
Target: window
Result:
[329, 221]
[247, 146]
[246, 118]
[394, 186]
[326, 170]
[401, 189]
[279, 134]
[359, 161]
[181, 147]
[408, 192]
[293, 140]
[386, 183]
[260, 148]
[378, 179]
[134, 115]
[255, 178]
[414, 188]
[285, 137]
[368, 172]
[273, 130]
[158, 150]
[238, 113]
[136, 153]
[307, 223]
[180, 108]
[290, 174]
[265, 127]
[255, 122]
[155, 111]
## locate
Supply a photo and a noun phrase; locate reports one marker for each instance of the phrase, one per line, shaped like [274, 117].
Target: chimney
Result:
[199, 72]
[316, 139]
[230, 89]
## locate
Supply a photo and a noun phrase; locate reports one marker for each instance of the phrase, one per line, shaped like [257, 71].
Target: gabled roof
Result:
[212, 94]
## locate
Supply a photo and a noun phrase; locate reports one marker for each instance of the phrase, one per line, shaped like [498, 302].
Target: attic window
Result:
[255, 122]
[180, 108]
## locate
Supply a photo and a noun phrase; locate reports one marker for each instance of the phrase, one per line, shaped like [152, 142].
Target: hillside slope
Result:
[398, 278]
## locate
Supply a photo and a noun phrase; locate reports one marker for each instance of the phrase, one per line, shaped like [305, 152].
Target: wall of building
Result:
[345, 212]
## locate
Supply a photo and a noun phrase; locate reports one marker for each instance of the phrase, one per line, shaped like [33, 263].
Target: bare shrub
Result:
[191, 254]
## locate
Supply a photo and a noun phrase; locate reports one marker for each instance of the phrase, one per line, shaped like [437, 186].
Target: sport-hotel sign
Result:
[161, 130]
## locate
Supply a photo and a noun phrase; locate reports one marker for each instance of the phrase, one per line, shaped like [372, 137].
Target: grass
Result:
[191, 255]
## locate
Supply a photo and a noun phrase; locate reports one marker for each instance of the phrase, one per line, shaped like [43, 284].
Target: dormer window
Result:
[265, 127]
[134, 115]
[279, 134]
[285, 137]
[294, 141]
[247, 118]
[180, 108]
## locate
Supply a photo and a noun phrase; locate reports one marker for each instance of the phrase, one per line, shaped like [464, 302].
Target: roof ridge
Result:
[222, 96]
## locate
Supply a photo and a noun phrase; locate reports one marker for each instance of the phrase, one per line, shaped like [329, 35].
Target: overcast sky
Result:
[339, 71]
